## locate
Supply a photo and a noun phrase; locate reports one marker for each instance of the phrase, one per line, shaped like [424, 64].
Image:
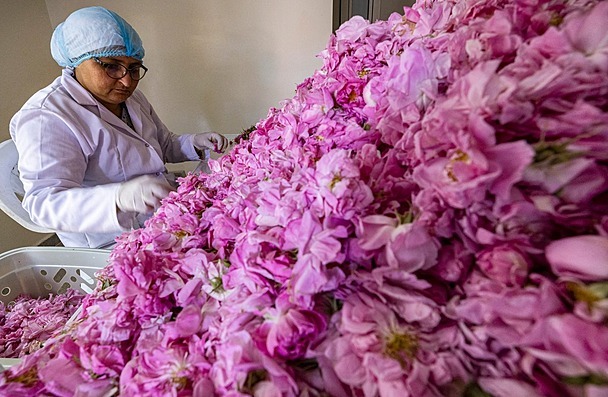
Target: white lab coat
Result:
[74, 153]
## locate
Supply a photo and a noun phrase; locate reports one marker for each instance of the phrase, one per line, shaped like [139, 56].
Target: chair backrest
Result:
[11, 189]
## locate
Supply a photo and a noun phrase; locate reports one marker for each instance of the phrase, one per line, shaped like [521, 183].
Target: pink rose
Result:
[570, 345]
[585, 257]
[291, 332]
[504, 387]
[407, 246]
[584, 35]
[504, 263]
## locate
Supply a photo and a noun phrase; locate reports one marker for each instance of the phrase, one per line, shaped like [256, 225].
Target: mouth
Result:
[123, 92]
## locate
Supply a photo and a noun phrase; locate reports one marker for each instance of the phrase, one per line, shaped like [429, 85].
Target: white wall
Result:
[214, 64]
[25, 67]
[220, 64]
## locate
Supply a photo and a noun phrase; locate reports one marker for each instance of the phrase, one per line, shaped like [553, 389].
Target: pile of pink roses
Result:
[427, 216]
[27, 322]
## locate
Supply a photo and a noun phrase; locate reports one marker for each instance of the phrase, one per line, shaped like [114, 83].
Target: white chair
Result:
[11, 189]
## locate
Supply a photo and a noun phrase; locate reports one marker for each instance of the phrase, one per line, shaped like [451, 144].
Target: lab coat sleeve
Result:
[52, 165]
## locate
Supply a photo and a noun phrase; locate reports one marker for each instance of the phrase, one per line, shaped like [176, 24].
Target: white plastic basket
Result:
[40, 271]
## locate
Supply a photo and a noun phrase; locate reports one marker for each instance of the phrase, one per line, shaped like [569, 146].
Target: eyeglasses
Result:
[118, 71]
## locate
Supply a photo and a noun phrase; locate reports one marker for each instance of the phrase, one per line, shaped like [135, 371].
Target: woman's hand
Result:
[142, 194]
[211, 140]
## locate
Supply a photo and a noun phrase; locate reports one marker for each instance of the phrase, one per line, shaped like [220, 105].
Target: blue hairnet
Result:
[94, 32]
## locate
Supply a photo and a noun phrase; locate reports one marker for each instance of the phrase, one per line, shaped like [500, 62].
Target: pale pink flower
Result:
[352, 30]
[581, 30]
[468, 174]
[406, 246]
[63, 377]
[378, 353]
[582, 256]
[557, 341]
[505, 314]
[507, 387]
[240, 366]
[162, 371]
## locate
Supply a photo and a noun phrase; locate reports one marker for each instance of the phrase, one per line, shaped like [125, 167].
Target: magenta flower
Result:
[289, 331]
[505, 264]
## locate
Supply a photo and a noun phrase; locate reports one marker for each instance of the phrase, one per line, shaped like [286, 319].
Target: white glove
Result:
[211, 140]
[142, 194]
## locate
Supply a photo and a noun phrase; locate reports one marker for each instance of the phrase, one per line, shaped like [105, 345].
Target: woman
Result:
[92, 151]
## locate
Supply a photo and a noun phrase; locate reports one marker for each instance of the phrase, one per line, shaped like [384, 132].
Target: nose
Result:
[126, 80]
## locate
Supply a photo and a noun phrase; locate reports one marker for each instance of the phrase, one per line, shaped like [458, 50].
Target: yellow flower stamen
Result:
[352, 97]
[181, 234]
[589, 294]
[335, 180]
[363, 73]
[28, 378]
[180, 382]
[401, 347]
[459, 156]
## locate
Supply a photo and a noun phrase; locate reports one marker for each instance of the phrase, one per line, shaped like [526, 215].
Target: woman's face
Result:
[109, 91]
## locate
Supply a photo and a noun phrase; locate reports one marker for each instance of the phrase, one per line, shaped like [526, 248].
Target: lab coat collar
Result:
[134, 109]
[76, 91]
[85, 98]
